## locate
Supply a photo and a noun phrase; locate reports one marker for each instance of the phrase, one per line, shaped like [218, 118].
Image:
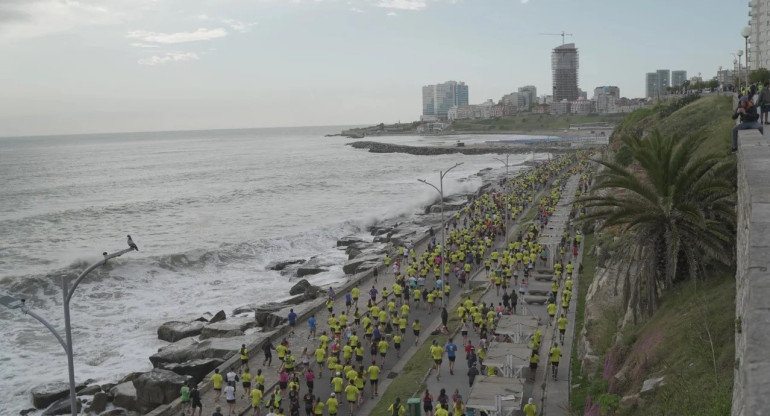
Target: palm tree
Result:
[677, 205]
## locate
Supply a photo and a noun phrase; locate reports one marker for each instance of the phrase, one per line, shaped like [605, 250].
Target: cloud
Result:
[144, 45]
[403, 4]
[238, 26]
[392, 14]
[34, 18]
[356, 10]
[524, 1]
[179, 37]
[169, 57]
[203, 16]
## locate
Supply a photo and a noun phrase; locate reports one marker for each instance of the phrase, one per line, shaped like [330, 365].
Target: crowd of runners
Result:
[348, 352]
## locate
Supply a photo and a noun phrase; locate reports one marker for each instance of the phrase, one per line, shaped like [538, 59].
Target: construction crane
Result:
[562, 34]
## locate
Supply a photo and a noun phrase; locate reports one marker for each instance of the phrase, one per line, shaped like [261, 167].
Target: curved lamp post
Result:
[13, 303]
[746, 32]
[441, 194]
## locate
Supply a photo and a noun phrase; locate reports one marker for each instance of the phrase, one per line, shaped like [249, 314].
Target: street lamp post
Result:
[740, 78]
[14, 303]
[746, 32]
[441, 195]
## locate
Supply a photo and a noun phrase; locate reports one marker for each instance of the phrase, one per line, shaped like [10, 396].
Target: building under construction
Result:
[564, 65]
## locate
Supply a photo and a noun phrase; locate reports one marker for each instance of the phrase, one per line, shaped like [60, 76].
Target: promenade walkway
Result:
[554, 399]
[302, 340]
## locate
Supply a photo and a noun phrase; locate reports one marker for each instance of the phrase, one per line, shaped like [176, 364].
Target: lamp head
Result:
[740, 52]
[746, 31]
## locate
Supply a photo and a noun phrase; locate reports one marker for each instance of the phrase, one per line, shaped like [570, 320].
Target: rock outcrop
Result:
[232, 327]
[280, 265]
[218, 317]
[46, 394]
[196, 369]
[175, 330]
[157, 387]
[188, 349]
[299, 287]
[62, 407]
[124, 395]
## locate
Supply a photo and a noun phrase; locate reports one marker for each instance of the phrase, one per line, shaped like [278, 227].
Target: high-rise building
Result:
[759, 39]
[564, 66]
[606, 99]
[664, 81]
[652, 84]
[527, 96]
[439, 98]
[678, 78]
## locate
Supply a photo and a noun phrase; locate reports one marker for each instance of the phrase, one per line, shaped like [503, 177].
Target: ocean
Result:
[208, 210]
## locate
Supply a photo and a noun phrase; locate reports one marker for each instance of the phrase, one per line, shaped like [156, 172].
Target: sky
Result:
[89, 66]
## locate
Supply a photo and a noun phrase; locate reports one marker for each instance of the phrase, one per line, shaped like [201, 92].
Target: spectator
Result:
[749, 120]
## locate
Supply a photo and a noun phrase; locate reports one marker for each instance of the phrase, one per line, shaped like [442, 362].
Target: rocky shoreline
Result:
[477, 149]
[210, 341]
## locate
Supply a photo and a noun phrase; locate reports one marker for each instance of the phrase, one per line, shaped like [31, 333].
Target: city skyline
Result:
[119, 65]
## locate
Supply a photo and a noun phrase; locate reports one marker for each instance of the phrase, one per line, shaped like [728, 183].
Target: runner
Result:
[451, 350]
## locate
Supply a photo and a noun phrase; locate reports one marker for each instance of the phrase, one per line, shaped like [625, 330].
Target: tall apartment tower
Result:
[528, 96]
[759, 39]
[564, 65]
[664, 81]
[439, 98]
[651, 81]
[678, 78]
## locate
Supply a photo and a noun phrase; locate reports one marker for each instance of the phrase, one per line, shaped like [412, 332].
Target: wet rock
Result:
[124, 395]
[403, 238]
[99, 403]
[280, 265]
[196, 369]
[229, 328]
[299, 287]
[89, 390]
[175, 330]
[218, 317]
[25, 412]
[312, 292]
[108, 386]
[245, 309]
[310, 270]
[46, 394]
[62, 407]
[157, 387]
[348, 240]
[205, 317]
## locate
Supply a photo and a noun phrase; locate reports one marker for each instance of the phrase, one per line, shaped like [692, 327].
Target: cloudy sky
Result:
[83, 66]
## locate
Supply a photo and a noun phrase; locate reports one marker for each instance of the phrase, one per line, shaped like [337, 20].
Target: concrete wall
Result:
[751, 388]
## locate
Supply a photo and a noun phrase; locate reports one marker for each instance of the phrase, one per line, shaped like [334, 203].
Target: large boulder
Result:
[299, 287]
[173, 331]
[309, 270]
[218, 317]
[352, 265]
[189, 349]
[158, 387]
[197, 369]
[403, 238]
[348, 240]
[124, 395]
[280, 265]
[62, 407]
[89, 390]
[232, 327]
[45, 394]
[99, 403]
[367, 265]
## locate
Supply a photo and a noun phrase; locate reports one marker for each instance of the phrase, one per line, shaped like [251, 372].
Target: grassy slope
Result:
[691, 338]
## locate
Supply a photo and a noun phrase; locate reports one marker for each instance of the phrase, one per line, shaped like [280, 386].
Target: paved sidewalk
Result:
[532, 389]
